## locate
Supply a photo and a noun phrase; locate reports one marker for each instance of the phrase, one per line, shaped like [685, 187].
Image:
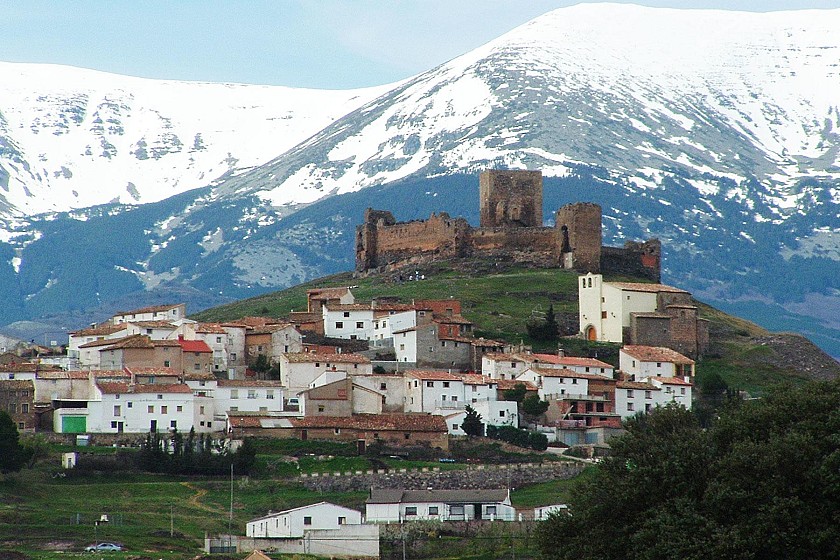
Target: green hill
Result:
[500, 299]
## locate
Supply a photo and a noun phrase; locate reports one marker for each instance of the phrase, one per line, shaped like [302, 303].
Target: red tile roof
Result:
[570, 361]
[656, 354]
[150, 309]
[103, 329]
[636, 385]
[432, 375]
[308, 357]
[671, 381]
[507, 384]
[210, 328]
[327, 293]
[156, 371]
[154, 325]
[144, 388]
[642, 287]
[563, 372]
[249, 383]
[379, 422]
[195, 346]
[475, 379]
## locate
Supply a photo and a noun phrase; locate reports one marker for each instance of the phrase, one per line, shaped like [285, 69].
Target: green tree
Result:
[36, 447]
[12, 453]
[472, 424]
[545, 329]
[516, 394]
[533, 406]
[762, 482]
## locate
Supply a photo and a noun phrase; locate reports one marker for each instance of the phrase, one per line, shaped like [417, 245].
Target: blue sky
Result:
[302, 43]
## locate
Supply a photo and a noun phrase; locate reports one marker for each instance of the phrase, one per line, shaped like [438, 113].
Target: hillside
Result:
[500, 299]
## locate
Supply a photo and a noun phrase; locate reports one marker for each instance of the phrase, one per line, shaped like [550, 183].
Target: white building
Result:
[227, 341]
[426, 391]
[298, 370]
[397, 506]
[541, 513]
[654, 361]
[632, 397]
[510, 366]
[502, 366]
[552, 383]
[605, 307]
[295, 523]
[151, 313]
[350, 321]
[391, 385]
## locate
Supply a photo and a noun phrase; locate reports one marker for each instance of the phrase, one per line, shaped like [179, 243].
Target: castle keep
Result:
[510, 229]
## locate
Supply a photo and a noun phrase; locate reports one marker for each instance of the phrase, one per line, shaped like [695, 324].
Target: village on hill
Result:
[386, 374]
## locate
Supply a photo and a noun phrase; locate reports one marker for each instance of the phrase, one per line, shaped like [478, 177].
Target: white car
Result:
[104, 547]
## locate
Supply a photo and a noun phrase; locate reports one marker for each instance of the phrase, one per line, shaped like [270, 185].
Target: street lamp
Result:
[102, 520]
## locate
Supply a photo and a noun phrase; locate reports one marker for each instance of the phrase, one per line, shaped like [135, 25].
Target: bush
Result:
[521, 438]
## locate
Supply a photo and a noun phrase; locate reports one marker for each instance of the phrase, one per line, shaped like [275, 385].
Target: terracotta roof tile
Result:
[636, 385]
[210, 328]
[507, 384]
[656, 354]
[154, 324]
[103, 329]
[149, 309]
[643, 287]
[380, 422]
[307, 357]
[671, 381]
[563, 372]
[249, 383]
[432, 375]
[194, 346]
[570, 361]
[156, 371]
[327, 293]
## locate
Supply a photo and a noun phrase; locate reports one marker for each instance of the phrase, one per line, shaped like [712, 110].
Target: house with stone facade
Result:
[340, 397]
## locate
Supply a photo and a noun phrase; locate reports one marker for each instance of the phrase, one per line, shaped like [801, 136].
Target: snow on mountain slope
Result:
[725, 96]
[73, 138]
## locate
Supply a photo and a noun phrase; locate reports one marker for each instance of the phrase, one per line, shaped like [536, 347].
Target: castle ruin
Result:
[511, 229]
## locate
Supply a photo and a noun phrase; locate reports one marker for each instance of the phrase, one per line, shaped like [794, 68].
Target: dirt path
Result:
[195, 499]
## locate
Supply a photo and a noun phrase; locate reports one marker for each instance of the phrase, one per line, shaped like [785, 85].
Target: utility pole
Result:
[171, 523]
[230, 517]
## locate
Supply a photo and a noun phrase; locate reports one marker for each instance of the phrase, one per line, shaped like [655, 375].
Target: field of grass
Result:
[548, 493]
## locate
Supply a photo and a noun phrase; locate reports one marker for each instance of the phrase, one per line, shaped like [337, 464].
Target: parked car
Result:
[104, 547]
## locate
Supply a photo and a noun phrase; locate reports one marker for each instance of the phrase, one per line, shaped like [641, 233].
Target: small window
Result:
[406, 436]
[411, 510]
[164, 410]
[346, 313]
[430, 383]
[454, 426]
[337, 430]
[179, 408]
[629, 393]
[342, 520]
[160, 397]
[201, 409]
[339, 324]
[307, 520]
[269, 394]
[491, 510]
[501, 414]
[630, 407]
[603, 314]
[682, 390]
[574, 381]
[647, 407]
[252, 394]
[128, 404]
[360, 324]
[234, 393]
[454, 398]
[446, 383]
[589, 282]
[114, 425]
[173, 424]
[166, 363]
[321, 408]
[433, 510]
[218, 340]
[196, 367]
[648, 395]
[117, 410]
[382, 386]
[658, 364]
[150, 409]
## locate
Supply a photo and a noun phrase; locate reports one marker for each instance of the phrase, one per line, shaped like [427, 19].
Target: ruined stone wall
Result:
[649, 330]
[641, 259]
[381, 243]
[582, 223]
[510, 198]
[538, 245]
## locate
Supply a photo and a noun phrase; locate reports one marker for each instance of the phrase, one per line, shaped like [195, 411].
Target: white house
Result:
[91, 334]
[632, 397]
[426, 391]
[245, 395]
[551, 383]
[541, 513]
[502, 366]
[295, 523]
[151, 313]
[299, 369]
[351, 321]
[227, 341]
[138, 408]
[397, 506]
[654, 361]
[391, 385]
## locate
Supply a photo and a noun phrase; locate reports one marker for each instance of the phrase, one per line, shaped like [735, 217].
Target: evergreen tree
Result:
[472, 425]
[12, 454]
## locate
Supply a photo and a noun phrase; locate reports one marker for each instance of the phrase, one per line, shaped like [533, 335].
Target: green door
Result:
[73, 424]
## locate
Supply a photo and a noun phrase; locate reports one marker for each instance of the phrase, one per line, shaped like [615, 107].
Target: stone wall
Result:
[510, 198]
[641, 259]
[582, 223]
[473, 477]
[537, 245]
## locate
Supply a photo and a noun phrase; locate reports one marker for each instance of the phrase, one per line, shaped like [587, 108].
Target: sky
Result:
[327, 44]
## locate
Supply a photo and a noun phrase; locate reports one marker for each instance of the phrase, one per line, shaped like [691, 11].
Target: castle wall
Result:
[538, 245]
[510, 198]
[634, 259]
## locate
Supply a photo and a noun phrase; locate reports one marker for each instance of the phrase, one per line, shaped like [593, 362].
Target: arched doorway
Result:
[591, 334]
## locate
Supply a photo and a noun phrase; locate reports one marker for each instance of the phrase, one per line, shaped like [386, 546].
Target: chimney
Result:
[561, 353]
[180, 337]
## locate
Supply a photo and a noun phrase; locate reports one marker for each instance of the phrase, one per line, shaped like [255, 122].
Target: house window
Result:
[454, 398]
[179, 408]
[647, 408]
[433, 510]
[411, 510]
[446, 383]
[443, 343]
[682, 390]
[117, 410]
[233, 356]
[196, 367]
[648, 394]
[234, 393]
[590, 282]
[252, 394]
[114, 425]
[339, 324]
[382, 386]
[321, 408]
[346, 313]
[406, 436]
[166, 363]
[269, 394]
[629, 393]
[430, 383]
[342, 520]
[337, 430]
[603, 314]
[234, 409]
[160, 397]
[263, 409]
[164, 410]
[150, 409]
[402, 346]
[491, 510]
[456, 510]
[454, 426]
[201, 410]
[129, 405]
[360, 324]
[658, 364]
[24, 408]
[630, 407]
[317, 364]
[574, 381]
[307, 520]
[501, 414]
[173, 424]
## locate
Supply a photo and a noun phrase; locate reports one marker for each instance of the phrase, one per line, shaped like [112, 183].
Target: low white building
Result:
[551, 383]
[295, 523]
[428, 390]
[298, 370]
[502, 366]
[350, 321]
[397, 506]
[152, 313]
[632, 397]
[541, 513]
[654, 361]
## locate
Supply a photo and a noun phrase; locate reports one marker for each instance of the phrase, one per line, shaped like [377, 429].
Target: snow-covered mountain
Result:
[73, 138]
[715, 131]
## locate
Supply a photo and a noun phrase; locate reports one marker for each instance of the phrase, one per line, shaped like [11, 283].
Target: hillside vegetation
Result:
[500, 299]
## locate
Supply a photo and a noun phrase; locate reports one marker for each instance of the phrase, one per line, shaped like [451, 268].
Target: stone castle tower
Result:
[510, 198]
[580, 230]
